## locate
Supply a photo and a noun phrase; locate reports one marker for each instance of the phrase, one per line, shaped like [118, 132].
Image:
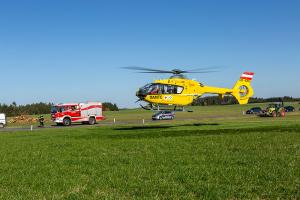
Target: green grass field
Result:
[213, 153]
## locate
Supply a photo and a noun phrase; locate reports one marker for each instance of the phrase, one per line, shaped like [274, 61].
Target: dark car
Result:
[255, 110]
[289, 109]
[163, 115]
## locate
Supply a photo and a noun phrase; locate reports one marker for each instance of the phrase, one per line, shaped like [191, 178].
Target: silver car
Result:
[163, 115]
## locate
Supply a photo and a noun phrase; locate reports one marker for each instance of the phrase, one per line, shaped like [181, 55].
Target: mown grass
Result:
[244, 158]
[203, 113]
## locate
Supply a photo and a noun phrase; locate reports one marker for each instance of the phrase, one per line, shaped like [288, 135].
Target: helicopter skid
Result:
[162, 108]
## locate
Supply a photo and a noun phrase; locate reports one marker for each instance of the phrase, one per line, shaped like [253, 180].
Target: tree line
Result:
[29, 109]
[40, 108]
[107, 106]
[44, 108]
[229, 100]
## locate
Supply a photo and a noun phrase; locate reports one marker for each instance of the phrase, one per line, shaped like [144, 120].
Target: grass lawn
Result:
[229, 157]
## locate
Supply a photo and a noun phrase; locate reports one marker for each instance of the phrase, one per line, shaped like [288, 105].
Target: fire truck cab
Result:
[69, 113]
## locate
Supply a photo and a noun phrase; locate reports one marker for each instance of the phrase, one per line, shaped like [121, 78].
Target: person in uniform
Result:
[41, 120]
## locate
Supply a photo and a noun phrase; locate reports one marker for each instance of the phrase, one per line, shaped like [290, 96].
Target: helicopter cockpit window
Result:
[172, 89]
[162, 89]
[153, 89]
[179, 90]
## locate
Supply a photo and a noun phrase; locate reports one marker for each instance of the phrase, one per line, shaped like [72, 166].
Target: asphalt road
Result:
[107, 123]
[102, 123]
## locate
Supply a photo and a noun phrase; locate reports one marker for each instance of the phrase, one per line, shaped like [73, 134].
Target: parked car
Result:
[289, 109]
[163, 115]
[255, 110]
[2, 120]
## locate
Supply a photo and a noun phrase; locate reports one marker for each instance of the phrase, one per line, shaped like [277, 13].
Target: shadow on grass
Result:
[163, 131]
[211, 132]
[162, 126]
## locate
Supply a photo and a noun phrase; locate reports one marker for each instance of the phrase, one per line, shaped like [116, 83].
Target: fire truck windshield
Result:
[56, 109]
[53, 109]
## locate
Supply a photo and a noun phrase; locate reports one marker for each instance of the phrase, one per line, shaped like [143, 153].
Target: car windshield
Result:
[274, 106]
[163, 112]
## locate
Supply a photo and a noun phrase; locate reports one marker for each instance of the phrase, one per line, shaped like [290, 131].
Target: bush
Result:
[107, 106]
[29, 109]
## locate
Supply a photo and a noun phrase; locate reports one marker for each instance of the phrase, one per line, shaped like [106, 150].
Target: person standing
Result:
[41, 120]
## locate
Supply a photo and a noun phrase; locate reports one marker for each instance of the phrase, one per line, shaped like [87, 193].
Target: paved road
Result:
[103, 123]
[106, 123]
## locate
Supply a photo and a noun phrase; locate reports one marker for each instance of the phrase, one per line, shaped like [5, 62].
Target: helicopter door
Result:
[171, 89]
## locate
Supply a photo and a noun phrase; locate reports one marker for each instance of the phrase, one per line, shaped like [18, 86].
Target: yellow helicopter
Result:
[180, 91]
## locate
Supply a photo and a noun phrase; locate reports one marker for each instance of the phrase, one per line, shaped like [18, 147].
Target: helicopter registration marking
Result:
[155, 97]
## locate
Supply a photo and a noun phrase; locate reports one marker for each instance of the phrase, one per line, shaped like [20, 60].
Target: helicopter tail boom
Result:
[243, 90]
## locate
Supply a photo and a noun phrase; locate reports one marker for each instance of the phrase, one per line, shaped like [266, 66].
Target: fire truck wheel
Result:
[92, 121]
[67, 122]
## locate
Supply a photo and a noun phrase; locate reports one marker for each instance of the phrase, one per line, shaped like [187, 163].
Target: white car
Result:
[2, 120]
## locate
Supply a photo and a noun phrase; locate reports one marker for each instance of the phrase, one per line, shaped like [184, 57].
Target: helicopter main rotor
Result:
[177, 73]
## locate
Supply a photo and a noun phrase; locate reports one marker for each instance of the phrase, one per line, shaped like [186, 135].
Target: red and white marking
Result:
[247, 76]
[168, 98]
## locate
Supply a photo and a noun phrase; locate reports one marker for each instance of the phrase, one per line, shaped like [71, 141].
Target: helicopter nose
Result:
[140, 94]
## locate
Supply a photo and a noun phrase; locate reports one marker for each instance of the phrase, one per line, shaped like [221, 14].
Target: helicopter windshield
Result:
[156, 88]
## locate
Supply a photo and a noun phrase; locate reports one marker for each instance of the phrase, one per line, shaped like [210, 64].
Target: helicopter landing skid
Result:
[162, 108]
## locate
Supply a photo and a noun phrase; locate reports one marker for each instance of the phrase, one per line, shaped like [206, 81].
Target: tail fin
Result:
[242, 90]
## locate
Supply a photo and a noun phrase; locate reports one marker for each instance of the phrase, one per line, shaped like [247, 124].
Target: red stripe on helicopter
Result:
[247, 76]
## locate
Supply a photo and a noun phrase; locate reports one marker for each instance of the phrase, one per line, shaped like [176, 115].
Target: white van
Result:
[2, 120]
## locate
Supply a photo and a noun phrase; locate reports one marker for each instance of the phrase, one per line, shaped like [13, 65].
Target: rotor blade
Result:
[183, 72]
[198, 72]
[174, 71]
[202, 72]
[204, 69]
[158, 72]
[147, 69]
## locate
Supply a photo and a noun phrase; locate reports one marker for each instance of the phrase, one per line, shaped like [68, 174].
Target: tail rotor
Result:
[243, 90]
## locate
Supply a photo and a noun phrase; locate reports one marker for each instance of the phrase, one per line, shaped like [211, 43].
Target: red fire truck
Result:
[68, 113]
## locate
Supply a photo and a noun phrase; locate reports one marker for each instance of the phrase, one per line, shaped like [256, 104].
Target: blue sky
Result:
[61, 51]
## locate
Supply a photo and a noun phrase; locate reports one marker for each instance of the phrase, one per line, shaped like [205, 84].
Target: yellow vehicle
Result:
[181, 91]
[273, 110]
